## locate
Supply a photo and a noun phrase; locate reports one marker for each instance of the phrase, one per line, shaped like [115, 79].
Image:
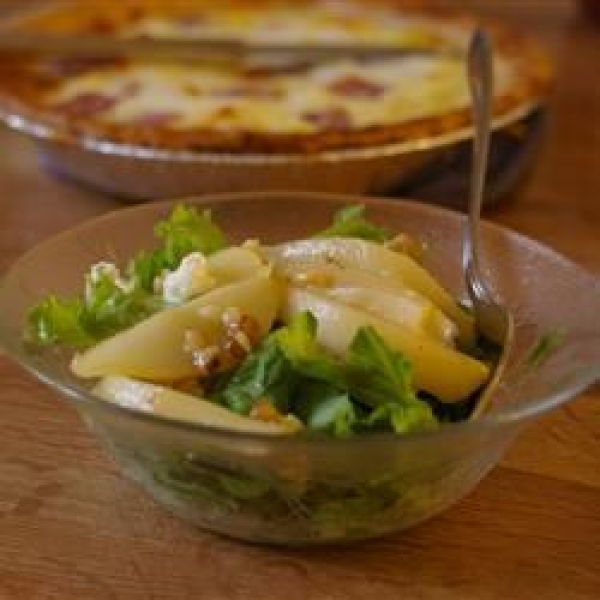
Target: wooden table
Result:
[71, 527]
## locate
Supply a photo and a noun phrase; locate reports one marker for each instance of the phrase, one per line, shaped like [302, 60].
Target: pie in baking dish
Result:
[247, 107]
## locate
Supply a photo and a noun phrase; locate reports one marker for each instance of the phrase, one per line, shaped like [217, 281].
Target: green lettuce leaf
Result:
[351, 222]
[110, 308]
[265, 374]
[372, 389]
[105, 308]
[376, 373]
[298, 343]
[57, 321]
[145, 267]
[401, 418]
[326, 408]
[382, 378]
[545, 347]
[185, 231]
[282, 364]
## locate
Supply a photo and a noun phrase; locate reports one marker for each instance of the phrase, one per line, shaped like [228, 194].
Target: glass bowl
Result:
[300, 490]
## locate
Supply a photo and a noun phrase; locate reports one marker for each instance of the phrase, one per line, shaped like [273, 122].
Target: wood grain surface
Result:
[71, 527]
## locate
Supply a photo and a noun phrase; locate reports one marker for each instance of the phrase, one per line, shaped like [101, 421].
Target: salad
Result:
[340, 334]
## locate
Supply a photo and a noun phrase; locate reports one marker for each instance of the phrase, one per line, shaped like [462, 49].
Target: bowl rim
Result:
[82, 396]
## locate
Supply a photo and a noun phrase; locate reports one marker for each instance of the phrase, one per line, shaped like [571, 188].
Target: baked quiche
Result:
[245, 106]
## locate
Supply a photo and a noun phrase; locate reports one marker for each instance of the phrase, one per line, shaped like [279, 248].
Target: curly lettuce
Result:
[109, 304]
[369, 389]
[351, 222]
[59, 321]
[184, 232]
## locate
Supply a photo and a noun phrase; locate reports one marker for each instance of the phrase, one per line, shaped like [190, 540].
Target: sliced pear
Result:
[407, 244]
[234, 264]
[374, 258]
[196, 275]
[155, 348]
[383, 296]
[166, 402]
[400, 309]
[446, 373]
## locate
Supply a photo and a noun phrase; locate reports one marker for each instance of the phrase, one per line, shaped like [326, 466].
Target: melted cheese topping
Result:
[333, 95]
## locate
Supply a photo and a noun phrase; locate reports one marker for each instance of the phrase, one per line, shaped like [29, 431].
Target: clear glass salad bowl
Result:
[299, 489]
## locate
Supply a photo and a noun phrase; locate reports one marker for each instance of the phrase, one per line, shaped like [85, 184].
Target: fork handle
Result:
[481, 83]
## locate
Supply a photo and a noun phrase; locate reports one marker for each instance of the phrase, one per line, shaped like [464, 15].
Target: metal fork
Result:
[494, 321]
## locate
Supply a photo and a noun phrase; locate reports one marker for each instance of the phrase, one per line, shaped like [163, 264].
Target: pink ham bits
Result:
[353, 86]
[87, 104]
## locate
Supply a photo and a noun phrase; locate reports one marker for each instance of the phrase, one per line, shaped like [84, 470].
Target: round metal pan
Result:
[139, 173]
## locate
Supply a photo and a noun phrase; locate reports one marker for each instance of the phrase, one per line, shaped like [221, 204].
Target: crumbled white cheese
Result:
[190, 279]
[109, 270]
[130, 393]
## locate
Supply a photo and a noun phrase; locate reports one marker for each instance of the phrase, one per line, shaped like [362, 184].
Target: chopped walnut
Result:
[263, 410]
[188, 386]
[239, 334]
[232, 351]
[246, 325]
[206, 360]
